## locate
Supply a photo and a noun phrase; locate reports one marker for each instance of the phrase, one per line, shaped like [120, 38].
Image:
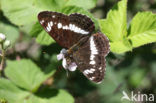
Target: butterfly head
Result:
[67, 61]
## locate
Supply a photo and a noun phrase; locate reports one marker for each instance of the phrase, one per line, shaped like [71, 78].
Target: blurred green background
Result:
[131, 71]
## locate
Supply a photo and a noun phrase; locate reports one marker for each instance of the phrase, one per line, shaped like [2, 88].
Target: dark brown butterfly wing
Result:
[90, 57]
[66, 30]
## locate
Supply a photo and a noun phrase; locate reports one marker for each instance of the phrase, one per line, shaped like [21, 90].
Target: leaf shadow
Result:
[79, 85]
[48, 61]
[47, 93]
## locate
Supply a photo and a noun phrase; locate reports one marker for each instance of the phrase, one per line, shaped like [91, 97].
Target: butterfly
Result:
[84, 49]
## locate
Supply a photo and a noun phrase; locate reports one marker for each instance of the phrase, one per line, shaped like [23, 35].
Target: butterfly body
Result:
[86, 50]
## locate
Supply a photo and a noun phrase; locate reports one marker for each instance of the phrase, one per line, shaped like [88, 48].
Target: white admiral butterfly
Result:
[86, 50]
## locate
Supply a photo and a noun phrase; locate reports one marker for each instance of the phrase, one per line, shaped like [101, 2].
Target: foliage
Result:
[131, 63]
[121, 38]
[27, 12]
[11, 32]
[141, 30]
[31, 77]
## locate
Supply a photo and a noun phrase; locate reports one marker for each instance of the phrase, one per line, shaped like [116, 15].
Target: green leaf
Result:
[34, 99]
[87, 4]
[56, 96]
[10, 92]
[50, 96]
[10, 31]
[36, 29]
[115, 28]
[26, 74]
[143, 29]
[44, 39]
[25, 12]
[42, 36]
[62, 97]
[26, 28]
[120, 46]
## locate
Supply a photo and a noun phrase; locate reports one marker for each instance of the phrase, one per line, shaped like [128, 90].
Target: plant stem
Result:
[2, 60]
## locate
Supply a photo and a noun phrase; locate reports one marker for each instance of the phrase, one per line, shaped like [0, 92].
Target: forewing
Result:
[82, 21]
[66, 30]
[90, 57]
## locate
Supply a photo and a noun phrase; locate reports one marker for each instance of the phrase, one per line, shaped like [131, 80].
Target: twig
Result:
[2, 60]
